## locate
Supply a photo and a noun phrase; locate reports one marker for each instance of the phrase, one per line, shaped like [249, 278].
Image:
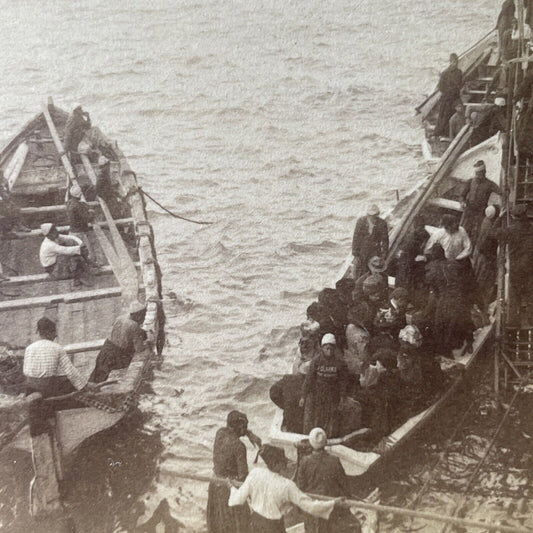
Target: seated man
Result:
[47, 367]
[61, 255]
[126, 339]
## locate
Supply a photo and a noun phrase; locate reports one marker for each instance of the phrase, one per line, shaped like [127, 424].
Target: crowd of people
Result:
[369, 354]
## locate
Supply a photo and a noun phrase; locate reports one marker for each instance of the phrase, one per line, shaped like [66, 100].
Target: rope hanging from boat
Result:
[202, 222]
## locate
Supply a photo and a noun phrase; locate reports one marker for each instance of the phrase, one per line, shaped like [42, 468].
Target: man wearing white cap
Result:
[370, 238]
[475, 199]
[126, 339]
[324, 390]
[322, 473]
[60, 255]
[77, 124]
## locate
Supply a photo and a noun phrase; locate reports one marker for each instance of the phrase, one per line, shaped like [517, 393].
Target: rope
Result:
[381, 508]
[142, 191]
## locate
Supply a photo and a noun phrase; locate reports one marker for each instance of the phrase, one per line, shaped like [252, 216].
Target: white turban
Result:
[490, 211]
[75, 191]
[46, 228]
[328, 338]
[317, 438]
[411, 335]
[136, 307]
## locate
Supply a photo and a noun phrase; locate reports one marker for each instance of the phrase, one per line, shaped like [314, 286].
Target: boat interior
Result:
[37, 182]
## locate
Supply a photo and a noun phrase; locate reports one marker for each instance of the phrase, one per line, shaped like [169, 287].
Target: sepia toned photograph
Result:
[266, 266]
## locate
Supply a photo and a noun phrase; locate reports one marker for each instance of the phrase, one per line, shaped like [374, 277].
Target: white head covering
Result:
[46, 228]
[102, 160]
[373, 210]
[328, 338]
[499, 101]
[317, 438]
[490, 211]
[75, 191]
[136, 307]
[411, 335]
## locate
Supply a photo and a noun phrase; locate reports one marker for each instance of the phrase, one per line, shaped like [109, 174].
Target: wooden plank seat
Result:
[445, 203]
[63, 229]
[87, 346]
[39, 278]
[50, 208]
[54, 299]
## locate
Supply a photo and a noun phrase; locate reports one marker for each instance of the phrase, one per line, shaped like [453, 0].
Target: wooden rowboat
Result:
[432, 197]
[122, 239]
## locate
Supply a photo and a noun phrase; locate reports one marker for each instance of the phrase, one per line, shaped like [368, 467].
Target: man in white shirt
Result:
[453, 239]
[61, 255]
[270, 494]
[47, 367]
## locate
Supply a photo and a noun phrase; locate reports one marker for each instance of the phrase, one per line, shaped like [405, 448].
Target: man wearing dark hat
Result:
[229, 461]
[125, 340]
[475, 199]
[370, 238]
[519, 237]
[322, 473]
[270, 493]
[376, 269]
[450, 84]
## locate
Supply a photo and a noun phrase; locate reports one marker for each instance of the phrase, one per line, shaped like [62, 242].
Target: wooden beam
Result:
[43, 278]
[71, 176]
[49, 209]
[54, 299]
[66, 229]
[87, 346]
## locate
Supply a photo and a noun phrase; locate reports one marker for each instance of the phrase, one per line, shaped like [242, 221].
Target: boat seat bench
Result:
[63, 229]
[445, 203]
[36, 278]
[53, 299]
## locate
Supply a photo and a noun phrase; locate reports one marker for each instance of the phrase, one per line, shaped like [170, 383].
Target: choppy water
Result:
[277, 120]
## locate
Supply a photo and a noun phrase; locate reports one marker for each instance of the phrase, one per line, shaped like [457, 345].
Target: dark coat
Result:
[77, 125]
[366, 245]
[286, 394]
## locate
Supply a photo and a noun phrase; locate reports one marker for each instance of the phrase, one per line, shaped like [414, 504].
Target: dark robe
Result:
[324, 386]
[366, 245]
[476, 196]
[229, 461]
[322, 473]
[79, 215]
[286, 394]
[450, 83]
[77, 125]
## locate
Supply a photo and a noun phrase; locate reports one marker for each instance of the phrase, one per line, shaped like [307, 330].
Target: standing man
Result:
[450, 84]
[322, 473]
[77, 124]
[229, 461]
[370, 238]
[475, 199]
[458, 120]
[126, 339]
[324, 390]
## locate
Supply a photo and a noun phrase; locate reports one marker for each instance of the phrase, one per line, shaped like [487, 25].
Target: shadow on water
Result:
[102, 483]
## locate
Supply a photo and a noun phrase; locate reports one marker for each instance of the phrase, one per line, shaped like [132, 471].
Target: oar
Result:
[380, 508]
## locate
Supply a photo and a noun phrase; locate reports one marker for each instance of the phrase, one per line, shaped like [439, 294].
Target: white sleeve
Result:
[431, 241]
[240, 495]
[67, 239]
[467, 245]
[321, 509]
[65, 250]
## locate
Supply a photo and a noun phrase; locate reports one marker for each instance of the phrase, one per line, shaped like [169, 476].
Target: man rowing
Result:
[47, 367]
[125, 340]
